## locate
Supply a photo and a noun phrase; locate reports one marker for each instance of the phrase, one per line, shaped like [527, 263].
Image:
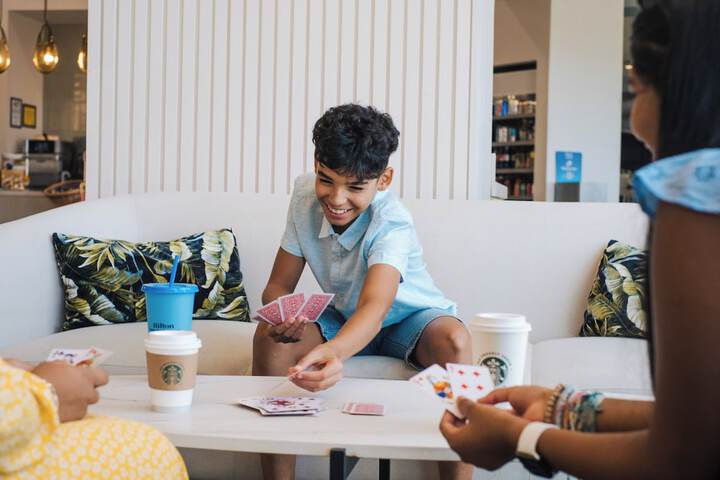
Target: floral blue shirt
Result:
[383, 233]
[690, 180]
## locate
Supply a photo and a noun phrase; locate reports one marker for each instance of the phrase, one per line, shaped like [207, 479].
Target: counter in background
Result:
[15, 204]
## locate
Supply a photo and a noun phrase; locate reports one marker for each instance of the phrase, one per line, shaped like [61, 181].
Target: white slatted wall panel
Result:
[221, 95]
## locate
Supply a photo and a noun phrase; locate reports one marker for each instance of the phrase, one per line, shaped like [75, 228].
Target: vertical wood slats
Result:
[222, 95]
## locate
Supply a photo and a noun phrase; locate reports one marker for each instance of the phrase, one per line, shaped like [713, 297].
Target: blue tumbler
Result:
[169, 307]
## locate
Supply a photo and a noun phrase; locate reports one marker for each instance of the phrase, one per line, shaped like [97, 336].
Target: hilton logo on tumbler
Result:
[497, 363]
[171, 373]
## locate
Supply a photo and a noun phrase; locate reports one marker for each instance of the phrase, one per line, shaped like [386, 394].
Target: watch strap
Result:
[527, 443]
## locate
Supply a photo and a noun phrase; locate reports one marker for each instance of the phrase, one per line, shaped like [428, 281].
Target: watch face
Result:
[538, 467]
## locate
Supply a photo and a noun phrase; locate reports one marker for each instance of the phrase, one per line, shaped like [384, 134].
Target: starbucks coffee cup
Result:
[172, 357]
[499, 342]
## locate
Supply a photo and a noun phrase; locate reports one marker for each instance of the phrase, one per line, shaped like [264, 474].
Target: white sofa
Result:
[538, 259]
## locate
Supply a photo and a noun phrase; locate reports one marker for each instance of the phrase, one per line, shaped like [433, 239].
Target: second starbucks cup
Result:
[499, 342]
[172, 357]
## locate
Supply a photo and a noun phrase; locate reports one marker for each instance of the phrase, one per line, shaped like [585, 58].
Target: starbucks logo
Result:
[498, 367]
[171, 373]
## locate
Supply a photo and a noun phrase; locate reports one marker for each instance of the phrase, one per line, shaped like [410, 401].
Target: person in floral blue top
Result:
[676, 113]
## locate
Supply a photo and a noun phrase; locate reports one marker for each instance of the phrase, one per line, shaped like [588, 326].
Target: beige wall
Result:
[21, 80]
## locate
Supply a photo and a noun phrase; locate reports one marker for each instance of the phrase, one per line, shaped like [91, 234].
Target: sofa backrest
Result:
[534, 258]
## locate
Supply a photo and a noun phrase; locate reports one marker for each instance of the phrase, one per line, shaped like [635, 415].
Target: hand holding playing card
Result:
[319, 370]
[527, 401]
[488, 437]
[75, 387]
[289, 331]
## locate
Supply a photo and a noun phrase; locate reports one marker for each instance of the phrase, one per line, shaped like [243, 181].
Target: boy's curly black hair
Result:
[355, 141]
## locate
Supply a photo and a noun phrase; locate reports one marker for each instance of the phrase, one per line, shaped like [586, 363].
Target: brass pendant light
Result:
[82, 55]
[45, 57]
[4, 51]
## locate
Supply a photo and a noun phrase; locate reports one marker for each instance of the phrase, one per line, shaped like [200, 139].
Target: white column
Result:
[584, 92]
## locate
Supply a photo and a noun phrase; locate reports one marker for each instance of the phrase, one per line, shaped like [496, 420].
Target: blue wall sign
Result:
[569, 167]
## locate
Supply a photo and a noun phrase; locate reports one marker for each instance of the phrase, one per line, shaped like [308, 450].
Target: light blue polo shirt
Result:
[383, 233]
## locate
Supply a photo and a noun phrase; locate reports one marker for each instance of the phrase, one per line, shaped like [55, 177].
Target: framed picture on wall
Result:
[16, 110]
[29, 112]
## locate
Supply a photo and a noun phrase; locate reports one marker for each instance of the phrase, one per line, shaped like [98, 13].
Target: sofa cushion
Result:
[102, 279]
[615, 365]
[618, 302]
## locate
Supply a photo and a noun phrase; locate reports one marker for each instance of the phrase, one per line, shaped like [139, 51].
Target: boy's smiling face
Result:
[343, 198]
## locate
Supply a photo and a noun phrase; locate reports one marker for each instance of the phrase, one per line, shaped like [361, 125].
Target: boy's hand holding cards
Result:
[294, 305]
[91, 357]
[469, 381]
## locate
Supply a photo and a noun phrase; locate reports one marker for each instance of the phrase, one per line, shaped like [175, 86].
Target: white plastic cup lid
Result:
[509, 321]
[172, 340]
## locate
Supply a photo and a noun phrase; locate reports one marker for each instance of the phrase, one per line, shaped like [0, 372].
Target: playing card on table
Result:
[434, 380]
[315, 305]
[291, 304]
[254, 403]
[356, 408]
[270, 313]
[290, 404]
[470, 381]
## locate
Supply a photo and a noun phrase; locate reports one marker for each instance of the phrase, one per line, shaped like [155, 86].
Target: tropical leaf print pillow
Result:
[102, 279]
[618, 301]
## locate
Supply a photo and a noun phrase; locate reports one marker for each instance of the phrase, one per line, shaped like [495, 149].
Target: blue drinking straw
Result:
[176, 262]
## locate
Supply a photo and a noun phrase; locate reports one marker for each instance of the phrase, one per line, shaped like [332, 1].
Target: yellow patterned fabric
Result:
[35, 445]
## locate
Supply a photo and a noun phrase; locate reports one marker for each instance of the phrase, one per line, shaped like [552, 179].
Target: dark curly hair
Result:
[675, 46]
[355, 141]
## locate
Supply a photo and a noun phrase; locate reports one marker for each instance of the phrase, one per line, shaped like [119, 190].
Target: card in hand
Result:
[434, 380]
[270, 313]
[470, 381]
[354, 408]
[315, 305]
[290, 305]
[83, 356]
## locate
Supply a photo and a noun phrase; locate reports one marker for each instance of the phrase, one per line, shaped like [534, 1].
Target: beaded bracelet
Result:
[552, 402]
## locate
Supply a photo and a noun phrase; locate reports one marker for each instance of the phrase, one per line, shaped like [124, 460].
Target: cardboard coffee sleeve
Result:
[171, 372]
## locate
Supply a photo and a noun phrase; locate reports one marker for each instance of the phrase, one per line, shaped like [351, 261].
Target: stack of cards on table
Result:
[470, 381]
[276, 406]
[294, 305]
[92, 356]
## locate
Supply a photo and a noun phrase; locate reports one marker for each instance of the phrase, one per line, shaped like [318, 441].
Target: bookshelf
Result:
[514, 144]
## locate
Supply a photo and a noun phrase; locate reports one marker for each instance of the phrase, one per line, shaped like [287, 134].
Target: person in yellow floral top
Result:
[46, 434]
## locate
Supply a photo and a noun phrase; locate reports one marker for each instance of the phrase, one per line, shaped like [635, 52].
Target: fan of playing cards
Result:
[92, 356]
[470, 381]
[294, 305]
[277, 406]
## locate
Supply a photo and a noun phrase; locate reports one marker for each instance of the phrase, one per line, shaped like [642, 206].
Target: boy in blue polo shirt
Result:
[361, 244]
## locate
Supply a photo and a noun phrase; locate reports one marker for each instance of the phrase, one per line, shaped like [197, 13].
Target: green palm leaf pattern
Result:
[617, 304]
[102, 279]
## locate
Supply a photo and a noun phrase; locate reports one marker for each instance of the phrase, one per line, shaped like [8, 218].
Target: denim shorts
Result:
[398, 340]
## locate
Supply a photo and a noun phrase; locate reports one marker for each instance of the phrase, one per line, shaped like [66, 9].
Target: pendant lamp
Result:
[4, 51]
[45, 57]
[82, 55]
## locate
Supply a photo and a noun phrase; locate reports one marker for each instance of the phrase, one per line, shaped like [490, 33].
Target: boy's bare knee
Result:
[458, 342]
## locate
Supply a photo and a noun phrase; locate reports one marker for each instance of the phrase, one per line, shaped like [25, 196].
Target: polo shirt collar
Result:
[350, 237]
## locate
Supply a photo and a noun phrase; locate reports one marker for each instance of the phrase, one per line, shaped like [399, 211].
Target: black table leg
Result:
[384, 473]
[340, 464]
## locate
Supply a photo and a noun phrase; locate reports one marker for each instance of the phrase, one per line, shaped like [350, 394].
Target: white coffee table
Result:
[409, 429]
